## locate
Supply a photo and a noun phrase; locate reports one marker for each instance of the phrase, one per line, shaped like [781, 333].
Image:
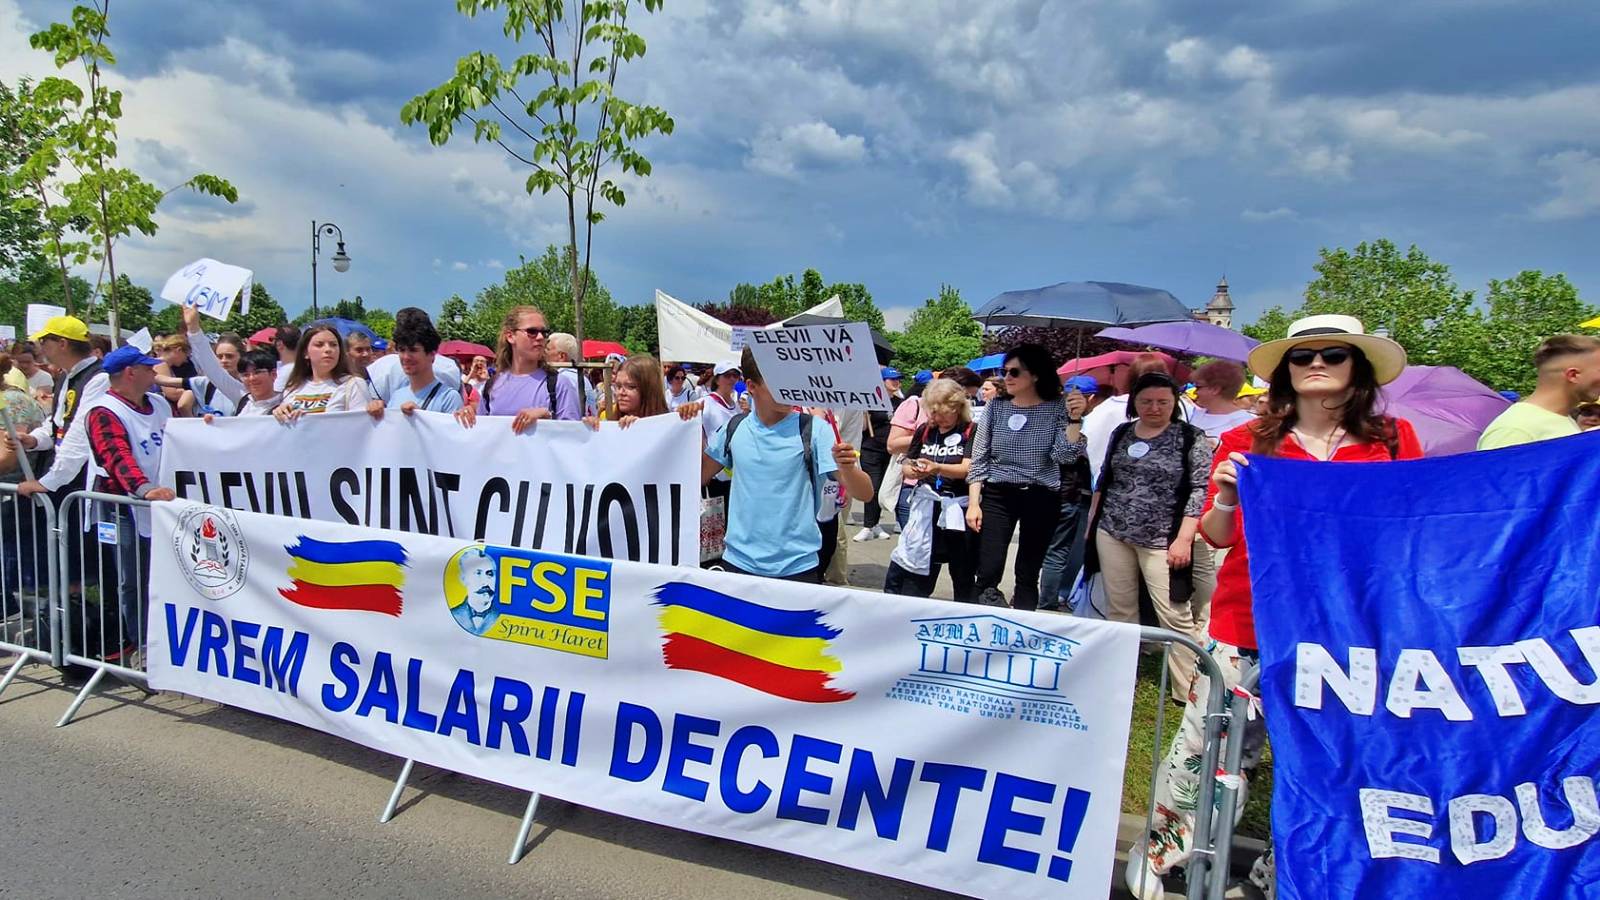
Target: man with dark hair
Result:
[388, 377]
[285, 342]
[1569, 375]
[416, 345]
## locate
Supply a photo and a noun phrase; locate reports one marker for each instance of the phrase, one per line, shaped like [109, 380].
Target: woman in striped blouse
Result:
[1021, 444]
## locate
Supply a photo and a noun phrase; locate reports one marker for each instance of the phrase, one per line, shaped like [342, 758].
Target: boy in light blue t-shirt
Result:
[772, 506]
[417, 344]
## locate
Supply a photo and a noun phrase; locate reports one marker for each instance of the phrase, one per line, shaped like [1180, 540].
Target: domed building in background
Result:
[1219, 310]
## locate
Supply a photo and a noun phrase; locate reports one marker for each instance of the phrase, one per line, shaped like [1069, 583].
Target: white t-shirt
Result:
[40, 380]
[714, 415]
[329, 396]
[1215, 424]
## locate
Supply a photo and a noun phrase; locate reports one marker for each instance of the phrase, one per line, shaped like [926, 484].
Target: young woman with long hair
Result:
[636, 392]
[1322, 405]
[523, 386]
[320, 379]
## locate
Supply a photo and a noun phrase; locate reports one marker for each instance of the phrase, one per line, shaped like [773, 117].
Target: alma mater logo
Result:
[527, 597]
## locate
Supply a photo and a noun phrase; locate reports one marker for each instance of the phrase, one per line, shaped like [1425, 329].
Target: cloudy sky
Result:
[900, 143]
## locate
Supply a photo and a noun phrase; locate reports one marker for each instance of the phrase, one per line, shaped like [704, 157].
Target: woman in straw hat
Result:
[1322, 405]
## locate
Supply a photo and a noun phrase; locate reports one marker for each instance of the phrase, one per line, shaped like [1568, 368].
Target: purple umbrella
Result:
[1192, 337]
[1447, 406]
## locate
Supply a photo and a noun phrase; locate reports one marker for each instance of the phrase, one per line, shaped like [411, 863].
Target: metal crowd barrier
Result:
[105, 589]
[29, 614]
[91, 616]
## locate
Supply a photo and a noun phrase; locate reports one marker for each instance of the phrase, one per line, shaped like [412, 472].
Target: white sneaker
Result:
[866, 534]
[881, 535]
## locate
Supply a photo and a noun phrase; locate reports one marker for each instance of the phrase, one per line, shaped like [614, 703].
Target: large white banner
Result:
[969, 748]
[622, 494]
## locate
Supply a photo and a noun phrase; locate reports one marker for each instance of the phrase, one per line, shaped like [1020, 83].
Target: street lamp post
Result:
[341, 259]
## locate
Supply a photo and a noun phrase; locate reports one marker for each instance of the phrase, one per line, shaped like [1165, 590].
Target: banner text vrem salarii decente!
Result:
[823, 782]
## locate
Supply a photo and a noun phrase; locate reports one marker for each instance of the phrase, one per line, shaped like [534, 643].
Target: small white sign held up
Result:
[210, 286]
[832, 366]
[40, 313]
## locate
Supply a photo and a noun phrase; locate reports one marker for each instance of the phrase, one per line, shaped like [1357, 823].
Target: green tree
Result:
[542, 282]
[572, 130]
[940, 333]
[858, 305]
[1272, 325]
[638, 328]
[21, 135]
[136, 304]
[36, 280]
[744, 295]
[264, 313]
[458, 322]
[106, 202]
[1522, 311]
[381, 321]
[780, 296]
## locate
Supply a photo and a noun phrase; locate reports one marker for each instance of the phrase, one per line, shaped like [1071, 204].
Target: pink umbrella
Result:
[264, 336]
[1114, 358]
[1447, 406]
[464, 349]
[1112, 365]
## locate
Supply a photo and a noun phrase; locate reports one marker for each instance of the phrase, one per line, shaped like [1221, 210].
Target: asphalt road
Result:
[170, 796]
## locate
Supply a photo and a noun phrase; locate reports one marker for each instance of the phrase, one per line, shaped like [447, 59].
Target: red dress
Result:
[1232, 621]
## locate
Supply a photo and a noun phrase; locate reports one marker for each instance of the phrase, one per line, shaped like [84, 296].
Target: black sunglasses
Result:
[1333, 356]
[1014, 372]
[535, 332]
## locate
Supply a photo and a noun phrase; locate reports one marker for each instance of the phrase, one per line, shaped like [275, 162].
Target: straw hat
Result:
[1387, 357]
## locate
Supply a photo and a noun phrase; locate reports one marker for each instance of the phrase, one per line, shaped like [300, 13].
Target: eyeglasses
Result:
[534, 332]
[677, 377]
[1303, 356]
[1015, 372]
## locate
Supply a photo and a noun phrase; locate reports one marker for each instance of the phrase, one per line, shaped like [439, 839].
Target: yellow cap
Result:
[67, 327]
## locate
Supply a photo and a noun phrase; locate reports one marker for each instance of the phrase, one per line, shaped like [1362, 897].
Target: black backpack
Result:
[549, 384]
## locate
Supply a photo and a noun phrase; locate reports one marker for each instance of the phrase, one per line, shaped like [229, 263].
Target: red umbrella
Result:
[465, 349]
[264, 336]
[1112, 364]
[601, 349]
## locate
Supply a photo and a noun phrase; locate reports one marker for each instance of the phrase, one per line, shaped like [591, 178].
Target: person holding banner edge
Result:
[523, 387]
[1322, 406]
[321, 381]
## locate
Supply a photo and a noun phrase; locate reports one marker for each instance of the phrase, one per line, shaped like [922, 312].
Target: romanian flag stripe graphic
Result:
[364, 576]
[776, 651]
[754, 616]
[334, 552]
[347, 574]
[793, 653]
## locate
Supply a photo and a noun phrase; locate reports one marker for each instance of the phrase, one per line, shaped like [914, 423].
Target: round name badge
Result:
[1138, 449]
[1016, 421]
[950, 440]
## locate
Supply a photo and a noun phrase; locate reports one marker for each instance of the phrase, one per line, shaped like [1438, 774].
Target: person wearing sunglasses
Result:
[681, 388]
[523, 386]
[1014, 481]
[1322, 406]
[1145, 515]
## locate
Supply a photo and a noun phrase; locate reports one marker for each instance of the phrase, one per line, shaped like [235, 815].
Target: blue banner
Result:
[1430, 642]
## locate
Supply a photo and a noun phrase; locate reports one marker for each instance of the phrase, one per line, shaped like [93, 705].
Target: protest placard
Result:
[210, 286]
[973, 749]
[1434, 713]
[8, 332]
[741, 336]
[832, 366]
[40, 313]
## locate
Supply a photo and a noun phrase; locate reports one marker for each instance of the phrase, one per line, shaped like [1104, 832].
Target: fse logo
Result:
[527, 597]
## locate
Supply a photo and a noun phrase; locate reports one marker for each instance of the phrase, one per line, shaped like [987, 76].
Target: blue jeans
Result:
[1065, 556]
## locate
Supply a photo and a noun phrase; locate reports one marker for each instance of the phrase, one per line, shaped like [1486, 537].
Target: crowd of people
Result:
[1122, 504]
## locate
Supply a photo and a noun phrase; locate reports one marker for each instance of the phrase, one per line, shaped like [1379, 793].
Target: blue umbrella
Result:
[346, 327]
[987, 363]
[1192, 337]
[1076, 304]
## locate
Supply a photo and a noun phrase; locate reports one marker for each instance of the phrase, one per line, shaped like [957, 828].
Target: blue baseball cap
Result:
[1084, 383]
[380, 345]
[923, 377]
[126, 356]
[889, 372]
